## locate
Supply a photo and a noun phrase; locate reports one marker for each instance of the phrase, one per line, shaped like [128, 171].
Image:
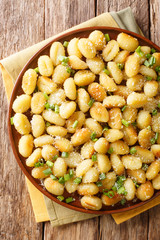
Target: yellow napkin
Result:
[45, 209]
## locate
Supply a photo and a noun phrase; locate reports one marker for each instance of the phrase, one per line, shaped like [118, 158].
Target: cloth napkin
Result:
[45, 209]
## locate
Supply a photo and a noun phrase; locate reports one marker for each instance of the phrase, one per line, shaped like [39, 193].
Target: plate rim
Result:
[11, 140]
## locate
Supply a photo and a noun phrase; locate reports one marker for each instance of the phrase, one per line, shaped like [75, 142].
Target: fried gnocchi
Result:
[87, 122]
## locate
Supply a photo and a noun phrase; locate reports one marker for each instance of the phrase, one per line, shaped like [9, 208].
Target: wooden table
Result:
[23, 23]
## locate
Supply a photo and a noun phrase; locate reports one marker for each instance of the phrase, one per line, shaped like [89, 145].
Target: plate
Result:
[14, 136]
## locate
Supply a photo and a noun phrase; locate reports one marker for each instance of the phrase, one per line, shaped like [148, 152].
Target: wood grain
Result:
[23, 23]
[82, 230]
[134, 229]
[154, 213]
[140, 10]
[17, 218]
[154, 223]
[65, 14]
[155, 21]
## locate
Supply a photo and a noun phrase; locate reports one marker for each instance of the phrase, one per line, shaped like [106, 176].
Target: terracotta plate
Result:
[14, 136]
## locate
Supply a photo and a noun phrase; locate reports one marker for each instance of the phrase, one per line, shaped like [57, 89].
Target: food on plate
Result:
[89, 120]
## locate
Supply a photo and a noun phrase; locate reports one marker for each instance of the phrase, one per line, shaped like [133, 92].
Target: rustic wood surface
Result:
[23, 23]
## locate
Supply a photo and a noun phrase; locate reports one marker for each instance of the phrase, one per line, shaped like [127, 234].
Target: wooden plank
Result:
[154, 213]
[18, 21]
[154, 223]
[140, 10]
[134, 228]
[155, 21]
[60, 15]
[75, 231]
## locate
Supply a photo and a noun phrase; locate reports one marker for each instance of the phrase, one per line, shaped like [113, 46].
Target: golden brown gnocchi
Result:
[45, 66]
[89, 120]
[22, 103]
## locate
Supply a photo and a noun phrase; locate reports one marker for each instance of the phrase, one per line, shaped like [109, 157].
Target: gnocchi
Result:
[89, 120]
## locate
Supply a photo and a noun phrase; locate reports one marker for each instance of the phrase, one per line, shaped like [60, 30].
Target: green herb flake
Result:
[144, 167]
[120, 66]
[91, 102]
[65, 44]
[36, 70]
[50, 164]
[152, 140]
[66, 177]
[123, 108]
[36, 89]
[52, 107]
[146, 63]
[133, 150]
[75, 124]
[123, 201]
[156, 136]
[93, 135]
[77, 180]
[148, 55]
[53, 177]
[47, 172]
[157, 69]
[61, 180]
[154, 112]
[73, 72]
[136, 184]
[150, 62]
[148, 78]
[47, 106]
[48, 124]
[69, 200]
[107, 37]
[119, 183]
[69, 69]
[45, 95]
[109, 194]
[65, 154]
[158, 78]
[139, 51]
[11, 121]
[125, 123]
[121, 178]
[60, 198]
[149, 127]
[56, 109]
[105, 129]
[105, 70]
[94, 157]
[71, 173]
[39, 164]
[158, 105]
[114, 188]
[134, 124]
[102, 176]
[55, 157]
[122, 191]
[99, 184]
[110, 150]
[95, 140]
[153, 50]
[63, 59]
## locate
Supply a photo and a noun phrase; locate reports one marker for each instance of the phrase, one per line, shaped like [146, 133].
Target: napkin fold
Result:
[45, 209]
